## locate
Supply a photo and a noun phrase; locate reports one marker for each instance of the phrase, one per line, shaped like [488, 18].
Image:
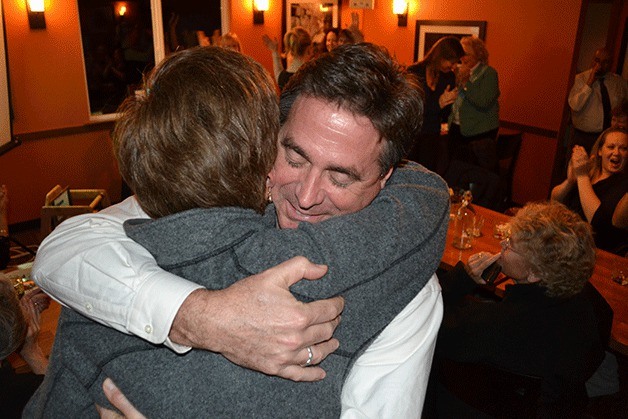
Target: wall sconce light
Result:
[121, 9]
[36, 18]
[259, 7]
[400, 8]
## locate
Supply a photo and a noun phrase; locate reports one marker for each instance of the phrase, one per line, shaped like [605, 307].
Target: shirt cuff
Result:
[155, 306]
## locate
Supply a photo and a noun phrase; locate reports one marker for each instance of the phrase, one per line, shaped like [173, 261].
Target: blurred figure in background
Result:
[231, 41]
[594, 94]
[438, 81]
[474, 119]
[619, 116]
[298, 45]
[318, 44]
[331, 39]
[352, 34]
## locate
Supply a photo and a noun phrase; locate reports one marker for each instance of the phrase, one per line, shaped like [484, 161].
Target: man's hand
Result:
[258, 324]
[594, 73]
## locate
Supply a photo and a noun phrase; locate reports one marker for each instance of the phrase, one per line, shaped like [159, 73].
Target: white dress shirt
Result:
[89, 264]
[587, 113]
[389, 379]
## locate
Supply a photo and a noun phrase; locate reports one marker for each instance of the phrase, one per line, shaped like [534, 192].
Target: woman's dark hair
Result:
[447, 48]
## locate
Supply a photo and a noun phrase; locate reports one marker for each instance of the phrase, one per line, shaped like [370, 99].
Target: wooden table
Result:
[606, 263]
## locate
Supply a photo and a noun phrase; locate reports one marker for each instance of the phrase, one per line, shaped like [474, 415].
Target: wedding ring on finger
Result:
[310, 355]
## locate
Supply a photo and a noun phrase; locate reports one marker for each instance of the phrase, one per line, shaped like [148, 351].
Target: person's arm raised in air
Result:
[90, 265]
[273, 46]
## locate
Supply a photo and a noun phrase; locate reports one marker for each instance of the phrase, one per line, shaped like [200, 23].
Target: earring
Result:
[269, 195]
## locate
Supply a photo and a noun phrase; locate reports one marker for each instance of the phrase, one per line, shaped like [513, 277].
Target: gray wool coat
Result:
[379, 259]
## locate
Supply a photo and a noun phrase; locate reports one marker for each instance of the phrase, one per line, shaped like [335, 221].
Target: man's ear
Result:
[385, 178]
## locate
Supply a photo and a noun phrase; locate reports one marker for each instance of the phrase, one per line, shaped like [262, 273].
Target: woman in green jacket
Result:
[474, 119]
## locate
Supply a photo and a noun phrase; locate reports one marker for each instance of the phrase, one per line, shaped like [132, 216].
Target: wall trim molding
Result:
[529, 129]
[64, 132]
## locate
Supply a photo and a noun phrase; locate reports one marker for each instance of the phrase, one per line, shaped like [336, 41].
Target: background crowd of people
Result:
[341, 133]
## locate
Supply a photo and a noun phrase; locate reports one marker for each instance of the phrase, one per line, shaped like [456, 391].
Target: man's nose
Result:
[309, 191]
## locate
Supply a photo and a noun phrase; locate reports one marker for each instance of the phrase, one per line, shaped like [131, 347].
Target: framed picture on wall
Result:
[316, 16]
[429, 31]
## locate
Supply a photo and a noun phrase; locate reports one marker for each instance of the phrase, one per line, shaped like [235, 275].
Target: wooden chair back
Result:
[78, 201]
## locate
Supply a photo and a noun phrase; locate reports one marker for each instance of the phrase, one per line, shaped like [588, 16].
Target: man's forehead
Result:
[307, 107]
[315, 124]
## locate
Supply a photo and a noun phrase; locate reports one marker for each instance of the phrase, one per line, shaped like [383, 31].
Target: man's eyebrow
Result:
[288, 143]
[349, 171]
[353, 174]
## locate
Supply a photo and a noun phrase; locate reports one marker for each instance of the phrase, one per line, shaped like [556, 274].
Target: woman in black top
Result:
[597, 188]
[550, 324]
[437, 79]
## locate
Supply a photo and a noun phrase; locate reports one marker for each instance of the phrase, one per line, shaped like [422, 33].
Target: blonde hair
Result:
[596, 160]
[557, 244]
[231, 39]
[297, 41]
[478, 47]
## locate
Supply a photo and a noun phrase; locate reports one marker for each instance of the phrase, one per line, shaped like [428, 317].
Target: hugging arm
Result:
[90, 265]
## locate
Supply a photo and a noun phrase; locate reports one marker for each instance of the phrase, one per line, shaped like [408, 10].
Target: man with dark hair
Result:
[338, 145]
[595, 93]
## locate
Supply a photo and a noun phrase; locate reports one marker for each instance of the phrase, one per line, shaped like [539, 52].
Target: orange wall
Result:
[530, 41]
[45, 67]
[531, 44]
[48, 92]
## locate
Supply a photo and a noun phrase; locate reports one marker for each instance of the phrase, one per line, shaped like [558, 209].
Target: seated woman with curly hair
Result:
[549, 322]
[19, 330]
